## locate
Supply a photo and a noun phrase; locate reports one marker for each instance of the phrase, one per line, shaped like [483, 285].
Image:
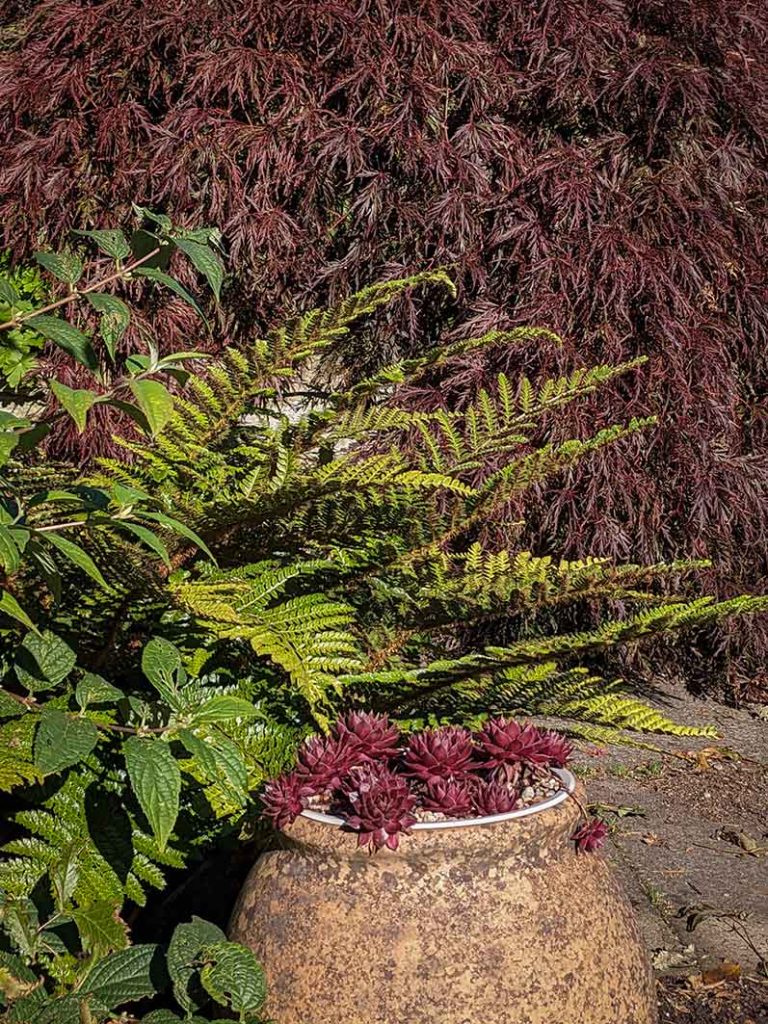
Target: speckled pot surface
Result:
[501, 923]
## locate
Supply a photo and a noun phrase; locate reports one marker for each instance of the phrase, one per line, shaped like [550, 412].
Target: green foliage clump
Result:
[301, 550]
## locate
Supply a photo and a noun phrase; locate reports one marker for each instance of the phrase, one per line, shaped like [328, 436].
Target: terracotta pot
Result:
[490, 921]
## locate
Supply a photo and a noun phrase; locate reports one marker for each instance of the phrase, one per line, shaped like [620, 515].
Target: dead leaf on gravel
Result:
[725, 971]
[620, 810]
[703, 758]
[743, 840]
[651, 839]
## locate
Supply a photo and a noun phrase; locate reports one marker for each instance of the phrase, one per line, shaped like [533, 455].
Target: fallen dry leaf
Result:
[725, 971]
[703, 758]
[743, 840]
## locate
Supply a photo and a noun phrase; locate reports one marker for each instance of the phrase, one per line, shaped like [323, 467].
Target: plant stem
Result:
[121, 274]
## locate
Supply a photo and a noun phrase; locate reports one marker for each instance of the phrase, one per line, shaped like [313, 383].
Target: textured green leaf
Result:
[65, 873]
[8, 293]
[233, 976]
[67, 337]
[147, 537]
[204, 260]
[126, 976]
[77, 556]
[182, 529]
[165, 279]
[111, 241]
[101, 928]
[76, 402]
[43, 661]
[62, 740]
[221, 763]
[155, 401]
[9, 551]
[64, 265]
[223, 708]
[131, 410]
[50, 1010]
[184, 949]
[160, 659]
[9, 707]
[161, 219]
[156, 780]
[11, 607]
[92, 689]
[115, 317]
[16, 979]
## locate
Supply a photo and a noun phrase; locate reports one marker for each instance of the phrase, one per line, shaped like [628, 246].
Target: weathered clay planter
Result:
[490, 921]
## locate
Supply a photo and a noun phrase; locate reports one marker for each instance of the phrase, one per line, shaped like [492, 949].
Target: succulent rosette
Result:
[506, 742]
[380, 785]
[439, 754]
[590, 836]
[493, 798]
[372, 737]
[282, 799]
[453, 799]
[324, 762]
[380, 806]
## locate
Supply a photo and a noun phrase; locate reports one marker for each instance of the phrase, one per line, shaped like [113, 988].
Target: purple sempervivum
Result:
[506, 745]
[439, 754]
[282, 799]
[373, 737]
[554, 749]
[379, 806]
[454, 799]
[324, 761]
[493, 798]
[590, 836]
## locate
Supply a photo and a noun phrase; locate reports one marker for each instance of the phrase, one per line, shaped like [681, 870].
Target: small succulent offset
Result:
[381, 783]
[590, 835]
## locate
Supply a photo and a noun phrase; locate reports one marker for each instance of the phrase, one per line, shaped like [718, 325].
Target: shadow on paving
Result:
[689, 836]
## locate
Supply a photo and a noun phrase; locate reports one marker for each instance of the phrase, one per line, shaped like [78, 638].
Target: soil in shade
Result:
[684, 1001]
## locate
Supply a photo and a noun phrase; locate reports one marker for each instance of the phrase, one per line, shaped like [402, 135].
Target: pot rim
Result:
[569, 785]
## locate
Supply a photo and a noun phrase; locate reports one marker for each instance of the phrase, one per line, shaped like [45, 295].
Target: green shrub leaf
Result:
[111, 241]
[223, 708]
[155, 401]
[76, 402]
[8, 292]
[11, 607]
[126, 976]
[233, 976]
[64, 265]
[184, 949]
[92, 689]
[147, 537]
[65, 873]
[181, 529]
[206, 261]
[162, 278]
[115, 317]
[77, 556]
[156, 780]
[101, 928]
[67, 337]
[43, 661]
[62, 740]
[9, 551]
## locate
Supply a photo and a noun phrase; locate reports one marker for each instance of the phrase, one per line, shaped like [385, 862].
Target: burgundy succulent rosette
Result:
[381, 782]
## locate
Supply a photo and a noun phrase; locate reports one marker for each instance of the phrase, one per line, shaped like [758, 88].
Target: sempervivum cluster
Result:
[377, 804]
[381, 784]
